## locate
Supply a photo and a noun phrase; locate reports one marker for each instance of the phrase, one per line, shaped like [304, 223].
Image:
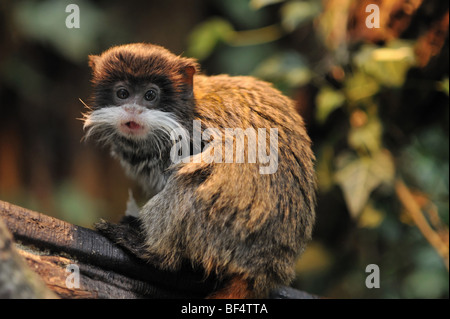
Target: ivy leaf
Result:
[327, 101]
[389, 64]
[358, 177]
[367, 137]
[360, 86]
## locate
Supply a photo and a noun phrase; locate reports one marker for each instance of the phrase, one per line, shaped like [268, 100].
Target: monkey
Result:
[225, 216]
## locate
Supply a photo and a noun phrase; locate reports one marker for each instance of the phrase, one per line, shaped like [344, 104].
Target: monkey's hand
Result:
[126, 234]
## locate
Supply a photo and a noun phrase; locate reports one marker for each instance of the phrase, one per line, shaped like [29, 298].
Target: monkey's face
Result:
[132, 111]
[133, 121]
[142, 94]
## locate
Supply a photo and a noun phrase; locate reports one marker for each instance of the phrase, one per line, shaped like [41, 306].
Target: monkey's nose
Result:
[133, 110]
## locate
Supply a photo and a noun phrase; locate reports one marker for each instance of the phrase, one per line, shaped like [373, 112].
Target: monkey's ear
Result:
[188, 74]
[93, 59]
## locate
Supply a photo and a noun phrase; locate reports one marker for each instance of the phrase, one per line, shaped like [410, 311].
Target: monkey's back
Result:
[242, 101]
[242, 221]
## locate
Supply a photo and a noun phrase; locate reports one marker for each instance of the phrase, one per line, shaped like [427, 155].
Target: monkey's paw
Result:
[127, 234]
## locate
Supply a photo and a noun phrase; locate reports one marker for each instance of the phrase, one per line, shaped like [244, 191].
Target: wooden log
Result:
[53, 248]
[16, 279]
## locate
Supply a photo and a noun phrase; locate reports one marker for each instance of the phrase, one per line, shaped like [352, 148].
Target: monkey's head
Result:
[142, 92]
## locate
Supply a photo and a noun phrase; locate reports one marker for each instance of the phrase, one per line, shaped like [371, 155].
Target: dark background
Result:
[375, 102]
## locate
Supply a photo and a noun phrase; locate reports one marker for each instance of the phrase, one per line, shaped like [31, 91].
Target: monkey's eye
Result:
[150, 95]
[122, 94]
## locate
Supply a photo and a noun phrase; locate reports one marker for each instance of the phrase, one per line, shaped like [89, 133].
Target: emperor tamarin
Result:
[212, 203]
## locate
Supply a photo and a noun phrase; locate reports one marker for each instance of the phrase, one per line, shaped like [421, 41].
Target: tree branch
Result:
[50, 245]
[414, 210]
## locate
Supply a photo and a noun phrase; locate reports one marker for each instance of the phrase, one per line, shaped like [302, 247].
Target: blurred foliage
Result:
[379, 117]
[41, 20]
[375, 102]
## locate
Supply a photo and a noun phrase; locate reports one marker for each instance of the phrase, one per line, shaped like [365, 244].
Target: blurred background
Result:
[375, 100]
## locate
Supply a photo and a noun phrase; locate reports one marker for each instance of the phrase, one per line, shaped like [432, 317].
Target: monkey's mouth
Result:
[132, 125]
[132, 128]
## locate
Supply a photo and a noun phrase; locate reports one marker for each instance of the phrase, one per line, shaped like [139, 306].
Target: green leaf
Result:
[367, 137]
[360, 86]
[295, 13]
[207, 35]
[390, 64]
[358, 177]
[327, 101]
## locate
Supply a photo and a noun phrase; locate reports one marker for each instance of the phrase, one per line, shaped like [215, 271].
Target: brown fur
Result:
[236, 288]
[228, 218]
